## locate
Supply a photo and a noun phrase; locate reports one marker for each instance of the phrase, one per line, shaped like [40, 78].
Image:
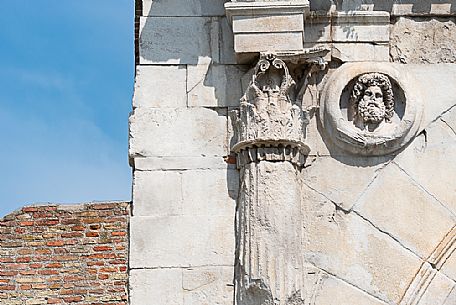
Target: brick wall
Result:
[65, 255]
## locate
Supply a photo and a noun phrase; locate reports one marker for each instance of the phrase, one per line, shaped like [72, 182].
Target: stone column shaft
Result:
[270, 153]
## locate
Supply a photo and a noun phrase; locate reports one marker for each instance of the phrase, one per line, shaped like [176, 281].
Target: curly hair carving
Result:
[374, 79]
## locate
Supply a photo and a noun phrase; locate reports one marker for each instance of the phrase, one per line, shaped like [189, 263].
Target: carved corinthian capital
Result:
[270, 123]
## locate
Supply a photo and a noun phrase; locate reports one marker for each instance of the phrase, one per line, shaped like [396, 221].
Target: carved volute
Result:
[270, 122]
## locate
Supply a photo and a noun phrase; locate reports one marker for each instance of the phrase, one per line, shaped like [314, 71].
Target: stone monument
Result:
[294, 153]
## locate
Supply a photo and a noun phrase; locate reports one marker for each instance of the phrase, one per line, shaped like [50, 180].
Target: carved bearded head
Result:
[372, 99]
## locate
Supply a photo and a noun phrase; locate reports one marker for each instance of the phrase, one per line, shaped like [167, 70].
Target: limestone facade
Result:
[294, 152]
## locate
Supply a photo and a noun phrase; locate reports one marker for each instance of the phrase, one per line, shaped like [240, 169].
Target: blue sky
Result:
[66, 81]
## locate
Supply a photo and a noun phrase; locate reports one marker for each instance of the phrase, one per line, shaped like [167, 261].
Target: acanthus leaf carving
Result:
[269, 114]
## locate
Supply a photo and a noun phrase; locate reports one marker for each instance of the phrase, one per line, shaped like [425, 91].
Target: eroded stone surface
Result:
[449, 267]
[195, 132]
[397, 205]
[352, 249]
[160, 86]
[188, 192]
[208, 286]
[438, 291]
[353, 177]
[181, 241]
[174, 40]
[423, 160]
[215, 85]
[335, 289]
[166, 283]
[425, 41]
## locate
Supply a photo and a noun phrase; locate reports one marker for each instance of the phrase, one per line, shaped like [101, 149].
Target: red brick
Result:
[7, 287]
[29, 209]
[43, 251]
[108, 269]
[25, 259]
[56, 243]
[47, 222]
[54, 265]
[26, 223]
[35, 265]
[73, 299]
[8, 273]
[103, 276]
[102, 248]
[105, 206]
[72, 235]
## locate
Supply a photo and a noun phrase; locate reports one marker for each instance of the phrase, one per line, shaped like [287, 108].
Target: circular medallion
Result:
[370, 108]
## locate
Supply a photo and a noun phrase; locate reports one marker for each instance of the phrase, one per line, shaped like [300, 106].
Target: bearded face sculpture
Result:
[372, 100]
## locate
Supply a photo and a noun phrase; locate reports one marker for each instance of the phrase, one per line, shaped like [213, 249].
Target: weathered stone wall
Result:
[381, 230]
[56, 254]
[421, 40]
[376, 229]
[185, 184]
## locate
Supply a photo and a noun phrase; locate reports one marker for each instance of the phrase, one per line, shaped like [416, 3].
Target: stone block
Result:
[396, 205]
[317, 30]
[423, 160]
[354, 174]
[226, 44]
[211, 193]
[195, 132]
[422, 8]
[189, 193]
[435, 85]
[268, 24]
[351, 52]
[418, 42]
[160, 86]
[350, 248]
[215, 85]
[451, 299]
[315, 140]
[176, 40]
[449, 267]
[360, 26]
[208, 286]
[438, 291]
[181, 241]
[321, 5]
[263, 42]
[156, 287]
[335, 289]
[181, 163]
[157, 193]
[177, 8]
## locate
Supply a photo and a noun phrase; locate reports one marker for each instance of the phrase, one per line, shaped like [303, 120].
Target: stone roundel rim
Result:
[348, 137]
